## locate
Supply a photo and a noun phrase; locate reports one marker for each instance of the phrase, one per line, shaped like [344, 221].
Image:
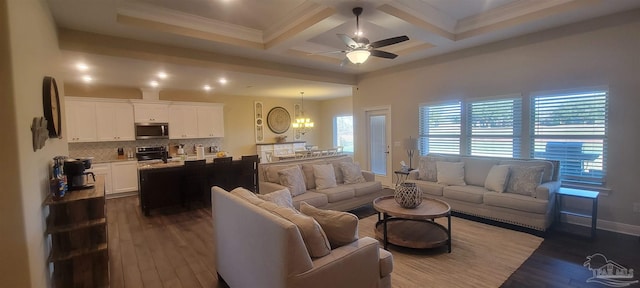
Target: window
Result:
[494, 126]
[571, 128]
[440, 128]
[343, 133]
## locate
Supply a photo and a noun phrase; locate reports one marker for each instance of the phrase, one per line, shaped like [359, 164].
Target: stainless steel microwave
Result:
[152, 130]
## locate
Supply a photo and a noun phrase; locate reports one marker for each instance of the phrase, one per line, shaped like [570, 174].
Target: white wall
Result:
[33, 52]
[599, 52]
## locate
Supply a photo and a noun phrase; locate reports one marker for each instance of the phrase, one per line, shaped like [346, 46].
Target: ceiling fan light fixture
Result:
[358, 56]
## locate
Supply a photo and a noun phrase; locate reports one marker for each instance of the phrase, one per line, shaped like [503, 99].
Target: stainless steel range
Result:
[152, 153]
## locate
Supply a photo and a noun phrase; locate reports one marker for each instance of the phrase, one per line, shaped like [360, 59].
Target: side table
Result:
[577, 193]
[401, 176]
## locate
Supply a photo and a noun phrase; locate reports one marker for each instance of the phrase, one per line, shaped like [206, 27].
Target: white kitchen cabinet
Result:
[103, 169]
[151, 112]
[81, 120]
[210, 121]
[125, 176]
[114, 121]
[183, 122]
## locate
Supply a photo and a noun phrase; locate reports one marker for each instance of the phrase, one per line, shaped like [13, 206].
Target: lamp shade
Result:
[358, 56]
[410, 144]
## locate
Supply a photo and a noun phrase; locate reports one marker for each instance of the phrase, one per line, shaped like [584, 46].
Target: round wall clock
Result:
[51, 105]
[278, 120]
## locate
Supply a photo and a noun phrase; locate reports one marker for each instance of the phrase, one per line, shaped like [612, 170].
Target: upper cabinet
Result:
[81, 120]
[196, 120]
[210, 121]
[183, 122]
[151, 112]
[114, 121]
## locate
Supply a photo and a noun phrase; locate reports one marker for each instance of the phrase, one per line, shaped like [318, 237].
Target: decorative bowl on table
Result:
[408, 195]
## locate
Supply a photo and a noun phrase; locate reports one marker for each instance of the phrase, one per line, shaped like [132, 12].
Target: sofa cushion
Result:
[524, 180]
[271, 172]
[516, 202]
[338, 170]
[472, 194]
[312, 234]
[498, 178]
[314, 199]
[341, 228]
[325, 176]
[476, 169]
[307, 171]
[386, 262]
[339, 193]
[352, 172]
[365, 188]
[548, 167]
[450, 173]
[280, 197]
[427, 169]
[428, 187]
[292, 178]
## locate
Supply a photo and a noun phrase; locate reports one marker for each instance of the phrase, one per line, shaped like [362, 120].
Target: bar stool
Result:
[194, 184]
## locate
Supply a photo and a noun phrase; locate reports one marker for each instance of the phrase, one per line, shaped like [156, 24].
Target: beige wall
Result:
[33, 53]
[329, 110]
[599, 52]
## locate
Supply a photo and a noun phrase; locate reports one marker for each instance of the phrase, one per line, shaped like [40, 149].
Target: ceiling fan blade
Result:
[348, 41]
[344, 62]
[389, 41]
[328, 52]
[383, 54]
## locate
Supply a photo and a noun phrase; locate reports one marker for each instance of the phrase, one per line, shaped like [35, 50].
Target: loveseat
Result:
[514, 191]
[256, 246]
[351, 190]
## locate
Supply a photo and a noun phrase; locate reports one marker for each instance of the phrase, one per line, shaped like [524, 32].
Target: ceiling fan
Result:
[359, 47]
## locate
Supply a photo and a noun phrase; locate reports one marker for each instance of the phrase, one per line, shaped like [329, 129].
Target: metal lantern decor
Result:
[408, 195]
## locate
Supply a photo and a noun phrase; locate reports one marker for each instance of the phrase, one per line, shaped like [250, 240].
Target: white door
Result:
[379, 139]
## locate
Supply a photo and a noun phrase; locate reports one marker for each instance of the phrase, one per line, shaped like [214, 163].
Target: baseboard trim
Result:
[623, 228]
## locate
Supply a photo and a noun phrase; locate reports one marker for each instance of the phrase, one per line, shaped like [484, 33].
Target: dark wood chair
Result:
[250, 172]
[194, 184]
[223, 160]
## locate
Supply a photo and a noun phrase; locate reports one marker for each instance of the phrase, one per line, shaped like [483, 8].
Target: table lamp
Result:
[411, 145]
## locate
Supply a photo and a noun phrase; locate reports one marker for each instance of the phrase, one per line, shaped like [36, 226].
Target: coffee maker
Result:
[76, 177]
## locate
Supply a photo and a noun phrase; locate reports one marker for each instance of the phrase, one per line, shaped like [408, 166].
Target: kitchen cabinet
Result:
[103, 170]
[124, 175]
[210, 121]
[77, 227]
[114, 121]
[151, 112]
[183, 122]
[81, 120]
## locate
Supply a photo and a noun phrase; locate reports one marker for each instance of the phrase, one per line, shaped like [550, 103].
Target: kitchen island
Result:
[181, 183]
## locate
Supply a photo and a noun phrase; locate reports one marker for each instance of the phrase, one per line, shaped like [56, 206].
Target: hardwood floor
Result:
[174, 248]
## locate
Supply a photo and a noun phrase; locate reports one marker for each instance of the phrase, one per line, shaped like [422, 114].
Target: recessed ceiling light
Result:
[82, 67]
[87, 78]
[223, 81]
[153, 83]
[206, 87]
[162, 75]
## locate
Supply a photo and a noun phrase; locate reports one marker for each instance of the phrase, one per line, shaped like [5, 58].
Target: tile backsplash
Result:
[105, 151]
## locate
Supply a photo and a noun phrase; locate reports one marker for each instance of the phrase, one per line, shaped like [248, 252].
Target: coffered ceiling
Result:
[278, 47]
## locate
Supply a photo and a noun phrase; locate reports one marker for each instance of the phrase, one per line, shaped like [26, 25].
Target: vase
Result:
[408, 195]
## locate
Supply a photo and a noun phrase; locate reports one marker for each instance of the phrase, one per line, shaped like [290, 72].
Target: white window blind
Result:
[572, 128]
[440, 128]
[494, 127]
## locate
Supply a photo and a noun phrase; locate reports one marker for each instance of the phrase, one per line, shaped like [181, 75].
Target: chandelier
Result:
[302, 124]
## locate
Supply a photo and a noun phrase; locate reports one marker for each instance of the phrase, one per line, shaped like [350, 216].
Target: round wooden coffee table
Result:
[413, 228]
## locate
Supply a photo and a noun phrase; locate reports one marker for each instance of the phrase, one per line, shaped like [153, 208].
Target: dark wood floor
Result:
[174, 248]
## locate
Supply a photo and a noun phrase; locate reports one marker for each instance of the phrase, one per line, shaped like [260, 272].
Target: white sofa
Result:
[343, 197]
[533, 210]
[257, 248]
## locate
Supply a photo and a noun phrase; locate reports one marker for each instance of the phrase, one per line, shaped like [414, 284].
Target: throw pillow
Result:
[524, 180]
[497, 178]
[325, 176]
[309, 179]
[336, 167]
[292, 178]
[312, 234]
[352, 173]
[427, 169]
[341, 227]
[280, 197]
[450, 173]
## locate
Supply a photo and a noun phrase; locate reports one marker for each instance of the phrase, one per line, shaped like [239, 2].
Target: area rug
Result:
[482, 256]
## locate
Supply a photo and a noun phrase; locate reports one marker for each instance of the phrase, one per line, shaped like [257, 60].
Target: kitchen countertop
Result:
[174, 162]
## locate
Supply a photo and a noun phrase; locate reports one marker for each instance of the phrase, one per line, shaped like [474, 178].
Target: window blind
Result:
[572, 128]
[440, 128]
[494, 127]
